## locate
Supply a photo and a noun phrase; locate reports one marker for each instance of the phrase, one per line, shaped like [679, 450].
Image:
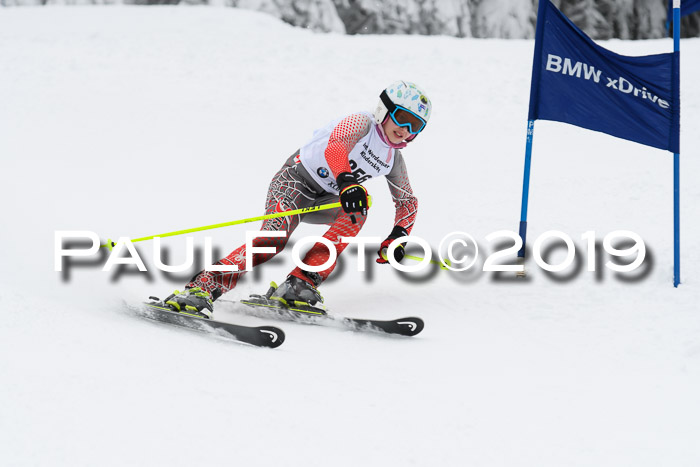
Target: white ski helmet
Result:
[404, 96]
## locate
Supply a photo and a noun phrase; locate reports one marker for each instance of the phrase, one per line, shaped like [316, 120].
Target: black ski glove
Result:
[353, 196]
[399, 251]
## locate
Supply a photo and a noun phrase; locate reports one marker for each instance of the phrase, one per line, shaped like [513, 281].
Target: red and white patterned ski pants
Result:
[288, 190]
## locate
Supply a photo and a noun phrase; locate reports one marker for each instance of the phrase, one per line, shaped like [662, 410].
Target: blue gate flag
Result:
[687, 7]
[576, 81]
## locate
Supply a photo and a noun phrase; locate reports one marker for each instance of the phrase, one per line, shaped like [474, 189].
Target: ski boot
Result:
[295, 292]
[193, 301]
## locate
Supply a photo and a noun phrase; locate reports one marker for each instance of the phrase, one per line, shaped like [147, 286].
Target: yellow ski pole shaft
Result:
[274, 215]
[418, 258]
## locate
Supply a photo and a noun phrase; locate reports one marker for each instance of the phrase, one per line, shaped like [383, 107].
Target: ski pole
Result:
[274, 215]
[418, 258]
[432, 261]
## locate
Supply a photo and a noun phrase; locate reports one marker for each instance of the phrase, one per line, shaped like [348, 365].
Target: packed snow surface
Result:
[129, 121]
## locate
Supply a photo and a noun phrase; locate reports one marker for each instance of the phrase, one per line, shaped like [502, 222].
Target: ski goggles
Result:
[403, 117]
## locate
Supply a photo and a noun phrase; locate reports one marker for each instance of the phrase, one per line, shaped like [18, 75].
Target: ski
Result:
[261, 336]
[261, 306]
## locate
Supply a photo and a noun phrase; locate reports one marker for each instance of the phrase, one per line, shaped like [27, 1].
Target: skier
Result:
[334, 164]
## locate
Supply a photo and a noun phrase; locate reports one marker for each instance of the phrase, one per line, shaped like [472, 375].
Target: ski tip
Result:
[411, 325]
[274, 336]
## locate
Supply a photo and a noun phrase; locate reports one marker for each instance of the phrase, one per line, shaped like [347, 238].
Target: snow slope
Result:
[132, 121]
